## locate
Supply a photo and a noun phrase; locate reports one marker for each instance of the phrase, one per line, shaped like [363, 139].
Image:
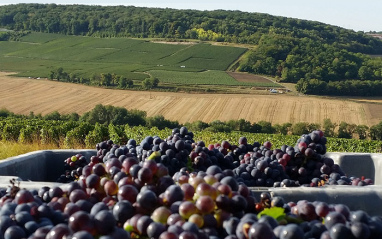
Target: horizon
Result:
[350, 14]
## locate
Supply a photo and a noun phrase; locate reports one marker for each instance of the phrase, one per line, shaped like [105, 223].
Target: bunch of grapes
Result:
[73, 168]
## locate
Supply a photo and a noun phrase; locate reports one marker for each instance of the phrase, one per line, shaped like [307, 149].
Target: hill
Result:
[321, 58]
[81, 59]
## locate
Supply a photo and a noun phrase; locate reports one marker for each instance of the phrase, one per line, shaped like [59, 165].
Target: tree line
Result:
[103, 79]
[107, 114]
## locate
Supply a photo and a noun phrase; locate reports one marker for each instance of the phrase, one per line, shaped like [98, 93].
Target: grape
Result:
[44, 211]
[23, 196]
[22, 207]
[99, 169]
[375, 226]
[5, 222]
[268, 220]
[127, 192]
[31, 227]
[340, 231]
[59, 231]
[81, 221]
[145, 175]
[359, 216]
[172, 194]
[77, 194]
[168, 235]
[104, 222]
[23, 217]
[122, 211]
[143, 223]
[71, 208]
[322, 209]
[360, 230]
[197, 220]
[239, 203]
[155, 229]
[343, 209]
[55, 192]
[82, 235]
[230, 225]
[161, 215]
[174, 218]
[333, 218]
[14, 232]
[93, 181]
[187, 208]
[292, 231]
[97, 208]
[205, 204]
[190, 227]
[110, 188]
[307, 211]
[188, 191]
[230, 181]
[147, 200]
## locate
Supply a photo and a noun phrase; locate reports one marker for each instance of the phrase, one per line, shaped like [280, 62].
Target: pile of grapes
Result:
[148, 203]
[178, 188]
[253, 164]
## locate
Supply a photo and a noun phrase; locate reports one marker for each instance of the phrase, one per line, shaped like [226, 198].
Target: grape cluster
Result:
[73, 168]
[172, 152]
[259, 165]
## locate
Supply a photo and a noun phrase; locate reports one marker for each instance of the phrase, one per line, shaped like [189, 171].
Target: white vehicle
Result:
[273, 91]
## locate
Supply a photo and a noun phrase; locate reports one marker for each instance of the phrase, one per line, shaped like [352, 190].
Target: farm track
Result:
[22, 95]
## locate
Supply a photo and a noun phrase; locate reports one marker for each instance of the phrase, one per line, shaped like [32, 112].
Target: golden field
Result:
[23, 95]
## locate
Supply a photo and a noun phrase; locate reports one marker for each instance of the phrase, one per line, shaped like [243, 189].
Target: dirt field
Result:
[22, 95]
[245, 77]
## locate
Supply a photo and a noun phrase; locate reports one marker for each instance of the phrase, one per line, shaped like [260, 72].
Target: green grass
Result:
[203, 78]
[37, 54]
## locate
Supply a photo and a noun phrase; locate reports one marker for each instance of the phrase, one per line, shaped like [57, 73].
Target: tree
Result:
[300, 128]
[362, 131]
[344, 131]
[53, 116]
[59, 73]
[160, 122]
[328, 128]
[106, 79]
[124, 83]
[365, 73]
[266, 127]
[283, 128]
[150, 83]
[376, 131]
[197, 125]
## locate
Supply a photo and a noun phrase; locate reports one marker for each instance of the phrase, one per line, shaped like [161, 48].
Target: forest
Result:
[321, 58]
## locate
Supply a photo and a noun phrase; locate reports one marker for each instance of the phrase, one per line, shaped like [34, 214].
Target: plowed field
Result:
[22, 95]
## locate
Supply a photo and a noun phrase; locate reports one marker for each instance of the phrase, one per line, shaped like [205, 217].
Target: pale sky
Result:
[365, 15]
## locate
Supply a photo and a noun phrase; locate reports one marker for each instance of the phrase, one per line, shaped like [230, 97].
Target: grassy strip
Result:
[11, 149]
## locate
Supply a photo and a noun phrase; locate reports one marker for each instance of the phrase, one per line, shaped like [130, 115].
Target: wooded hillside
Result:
[292, 50]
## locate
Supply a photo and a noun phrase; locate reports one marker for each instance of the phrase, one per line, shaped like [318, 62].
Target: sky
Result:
[357, 15]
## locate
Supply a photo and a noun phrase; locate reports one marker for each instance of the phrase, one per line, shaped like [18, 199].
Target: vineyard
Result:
[36, 54]
[69, 134]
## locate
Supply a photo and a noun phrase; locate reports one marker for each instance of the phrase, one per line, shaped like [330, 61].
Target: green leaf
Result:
[277, 213]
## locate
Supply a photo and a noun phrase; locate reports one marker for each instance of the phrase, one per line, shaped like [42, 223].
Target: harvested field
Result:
[22, 95]
[251, 78]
